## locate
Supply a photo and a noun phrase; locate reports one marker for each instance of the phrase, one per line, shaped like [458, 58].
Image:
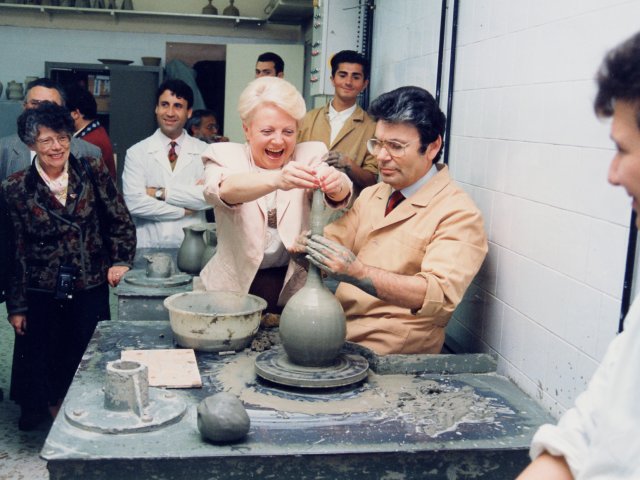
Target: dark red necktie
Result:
[394, 200]
[173, 156]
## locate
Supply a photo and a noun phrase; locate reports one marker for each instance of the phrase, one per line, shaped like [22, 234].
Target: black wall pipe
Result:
[443, 20]
[367, 43]
[628, 271]
[452, 69]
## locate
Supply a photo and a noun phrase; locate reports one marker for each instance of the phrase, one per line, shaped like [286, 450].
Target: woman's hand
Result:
[333, 183]
[115, 274]
[294, 175]
[19, 323]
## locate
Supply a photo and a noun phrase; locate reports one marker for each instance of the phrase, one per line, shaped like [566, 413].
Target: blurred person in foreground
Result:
[595, 439]
[70, 236]
[261, 193]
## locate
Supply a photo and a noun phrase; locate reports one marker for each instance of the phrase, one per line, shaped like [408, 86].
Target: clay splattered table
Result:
[425, 416]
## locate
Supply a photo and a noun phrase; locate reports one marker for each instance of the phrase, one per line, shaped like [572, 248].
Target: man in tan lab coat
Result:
[403, 270]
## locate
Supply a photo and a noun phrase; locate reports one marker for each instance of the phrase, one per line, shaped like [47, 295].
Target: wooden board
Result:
[172, 368]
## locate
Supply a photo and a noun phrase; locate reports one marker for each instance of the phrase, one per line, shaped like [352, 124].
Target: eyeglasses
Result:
[63, 141]
[393, 148]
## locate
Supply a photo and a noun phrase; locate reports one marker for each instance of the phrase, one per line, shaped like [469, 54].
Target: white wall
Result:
[526, 145]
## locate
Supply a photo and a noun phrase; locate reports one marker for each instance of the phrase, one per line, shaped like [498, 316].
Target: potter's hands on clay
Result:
[115, 274]
[294, 175]
[19, 323]
[339, 262]
[333, 183]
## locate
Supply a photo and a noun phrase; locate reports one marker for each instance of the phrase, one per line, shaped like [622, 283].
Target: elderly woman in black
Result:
[71, 236]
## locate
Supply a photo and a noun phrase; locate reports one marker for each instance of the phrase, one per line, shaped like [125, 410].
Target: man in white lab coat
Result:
[163, 174]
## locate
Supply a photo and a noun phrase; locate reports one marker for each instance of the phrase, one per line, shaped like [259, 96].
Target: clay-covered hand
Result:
[115, 274]
[333, 258]
[295, 175]
[333, 183]
[298, 251]
[339, 262]
[19, 323]
[338, 160]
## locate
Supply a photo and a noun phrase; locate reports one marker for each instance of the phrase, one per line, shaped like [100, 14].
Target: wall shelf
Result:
[52, 11]
[139, 21]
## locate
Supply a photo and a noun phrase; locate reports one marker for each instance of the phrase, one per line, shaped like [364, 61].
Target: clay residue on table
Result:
[432, 406]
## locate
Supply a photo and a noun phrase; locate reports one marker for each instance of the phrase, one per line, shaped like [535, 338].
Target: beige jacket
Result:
[436, 233]
[242, 228]
[351, 140]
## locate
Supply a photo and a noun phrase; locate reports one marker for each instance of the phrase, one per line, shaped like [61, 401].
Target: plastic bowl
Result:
[214, 321]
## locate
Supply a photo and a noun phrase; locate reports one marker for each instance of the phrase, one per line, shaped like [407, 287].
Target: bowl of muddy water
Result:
[214, 321]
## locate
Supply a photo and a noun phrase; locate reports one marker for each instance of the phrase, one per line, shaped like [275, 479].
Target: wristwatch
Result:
[159, 193]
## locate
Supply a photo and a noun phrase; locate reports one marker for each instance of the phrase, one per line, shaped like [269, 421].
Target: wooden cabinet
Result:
[126, 106]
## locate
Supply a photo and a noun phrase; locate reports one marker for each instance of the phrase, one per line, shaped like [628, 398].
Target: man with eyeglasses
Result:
[342, 125]
[15, 155]
[409, 247]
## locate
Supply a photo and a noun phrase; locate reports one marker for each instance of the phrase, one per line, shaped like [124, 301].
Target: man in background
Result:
[596, 439]
[15, 155]
[203, 125]
[163, 174]
[269, 64]
[84, 111]
[342, 125]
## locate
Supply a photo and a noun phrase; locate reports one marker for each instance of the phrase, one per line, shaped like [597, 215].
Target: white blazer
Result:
[159, 223]
[242, 228]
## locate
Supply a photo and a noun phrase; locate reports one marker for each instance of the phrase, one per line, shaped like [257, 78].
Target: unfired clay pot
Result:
[211, 245]
[313, 324]
[191, 250]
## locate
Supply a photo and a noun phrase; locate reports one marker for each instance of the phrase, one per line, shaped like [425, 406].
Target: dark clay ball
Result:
[222, 418]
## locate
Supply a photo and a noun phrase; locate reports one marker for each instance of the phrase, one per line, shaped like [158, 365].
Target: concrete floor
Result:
[20, 451]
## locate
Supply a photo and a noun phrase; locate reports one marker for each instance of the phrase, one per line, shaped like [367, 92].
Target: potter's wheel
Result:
[140, 279]
[274, 365]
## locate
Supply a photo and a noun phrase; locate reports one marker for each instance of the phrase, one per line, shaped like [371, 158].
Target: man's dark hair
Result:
[619, 78]
[196, 119]
[81, 99]
[179, 88]
[411, 106]
[278, 63]
[48, 115]
[48, 83]
[350, 56]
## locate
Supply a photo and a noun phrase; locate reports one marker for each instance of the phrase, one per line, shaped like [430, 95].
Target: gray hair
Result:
[47, 115]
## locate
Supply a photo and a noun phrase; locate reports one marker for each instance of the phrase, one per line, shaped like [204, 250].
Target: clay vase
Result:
[209, 9]
[191, 249]
[15, 91]
[231, 10]
[159, 265]
[211, 245]
[313, 324]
